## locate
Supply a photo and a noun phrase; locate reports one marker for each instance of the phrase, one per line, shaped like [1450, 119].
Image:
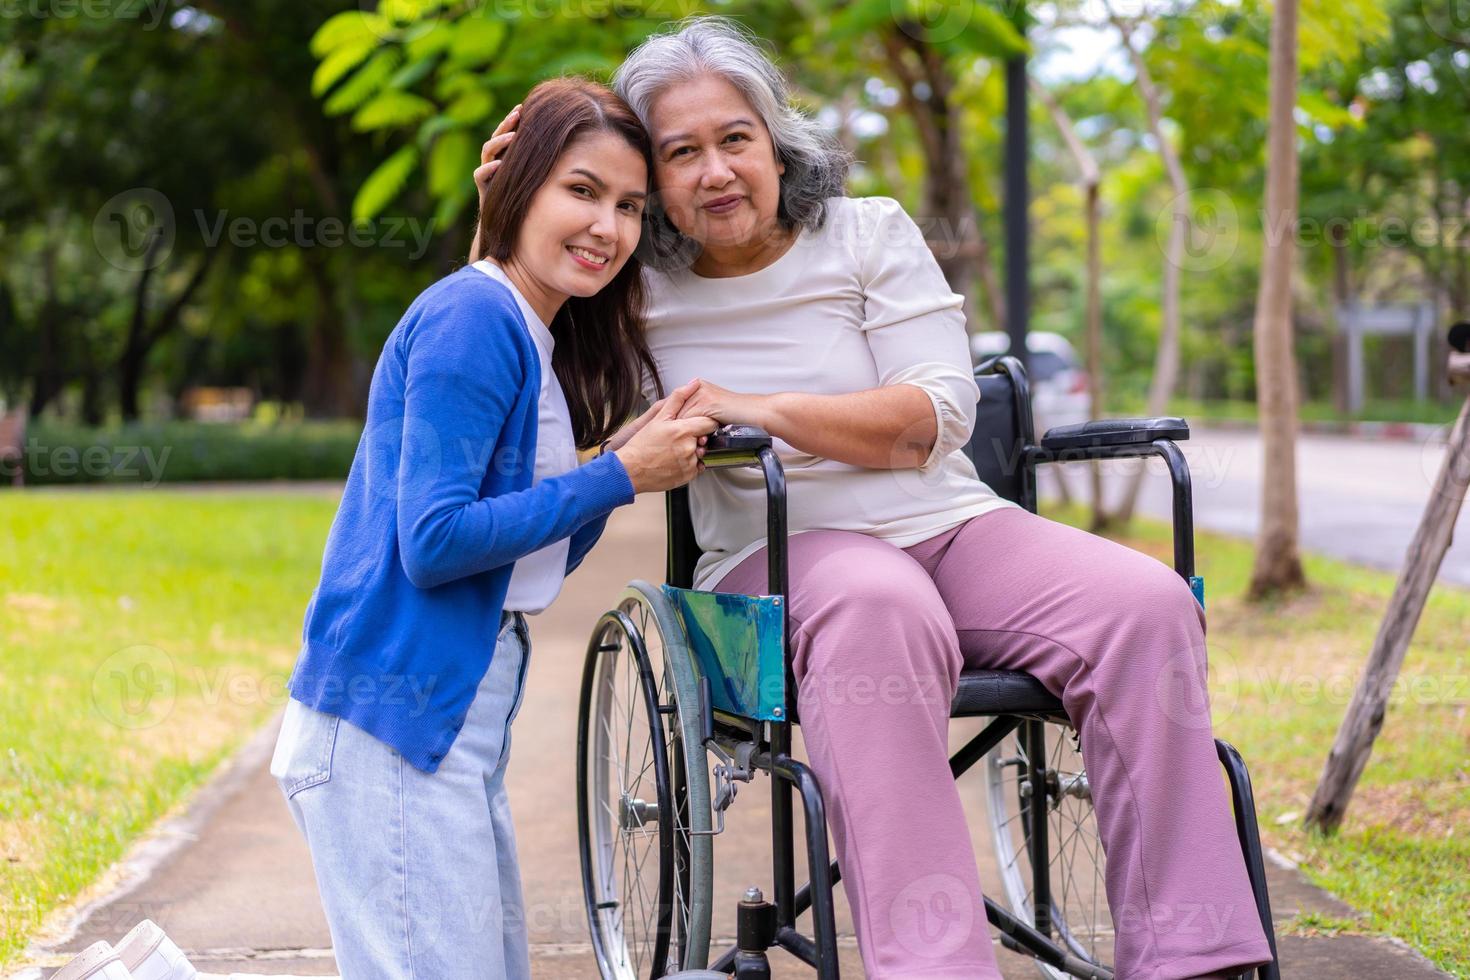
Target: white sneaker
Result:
[150, 955]
[97, 962]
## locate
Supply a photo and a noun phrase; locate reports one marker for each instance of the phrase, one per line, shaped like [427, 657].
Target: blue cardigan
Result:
[438, 506]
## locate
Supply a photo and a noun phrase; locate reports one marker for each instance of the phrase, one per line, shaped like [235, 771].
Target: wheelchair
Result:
[674, 678]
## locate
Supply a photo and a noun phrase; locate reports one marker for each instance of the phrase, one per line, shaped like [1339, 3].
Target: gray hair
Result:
[816, 162]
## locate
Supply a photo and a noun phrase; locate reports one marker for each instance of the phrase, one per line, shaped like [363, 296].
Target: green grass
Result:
[143, 637]
[1281, 676]
[1316, 924]
[1379, 410]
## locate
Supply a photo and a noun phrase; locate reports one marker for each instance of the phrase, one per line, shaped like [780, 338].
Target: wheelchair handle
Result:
[735, 445]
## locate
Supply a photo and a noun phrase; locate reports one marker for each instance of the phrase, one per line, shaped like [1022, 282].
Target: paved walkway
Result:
[230, 879]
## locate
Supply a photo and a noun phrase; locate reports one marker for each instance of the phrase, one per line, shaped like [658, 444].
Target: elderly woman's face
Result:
[714, 164]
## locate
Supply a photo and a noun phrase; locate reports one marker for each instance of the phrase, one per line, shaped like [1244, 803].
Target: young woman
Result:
[465, 508]
[826, 320]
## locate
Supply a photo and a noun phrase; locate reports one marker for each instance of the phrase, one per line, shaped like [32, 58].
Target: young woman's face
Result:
[584, 221]
[714, 163]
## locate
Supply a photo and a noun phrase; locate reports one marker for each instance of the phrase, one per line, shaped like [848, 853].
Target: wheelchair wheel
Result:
[643, 793]
[1074, 872]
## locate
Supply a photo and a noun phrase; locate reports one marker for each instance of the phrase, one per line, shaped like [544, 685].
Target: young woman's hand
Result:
[665, 451]
[621, 437]
[494, 146]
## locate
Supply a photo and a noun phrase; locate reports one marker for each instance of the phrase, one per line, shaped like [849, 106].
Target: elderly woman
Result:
[826, 321]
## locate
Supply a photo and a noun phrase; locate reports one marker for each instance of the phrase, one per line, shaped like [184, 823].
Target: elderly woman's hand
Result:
[725, 406]
[494, 146]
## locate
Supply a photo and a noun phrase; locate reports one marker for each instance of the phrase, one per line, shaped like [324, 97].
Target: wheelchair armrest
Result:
[1115, 432]
[735, 445]
[1123, 438]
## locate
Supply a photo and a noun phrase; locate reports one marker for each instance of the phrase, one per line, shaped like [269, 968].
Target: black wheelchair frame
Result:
[1016, 700]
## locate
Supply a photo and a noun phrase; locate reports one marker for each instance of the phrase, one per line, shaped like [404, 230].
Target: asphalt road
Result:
[1359, 499]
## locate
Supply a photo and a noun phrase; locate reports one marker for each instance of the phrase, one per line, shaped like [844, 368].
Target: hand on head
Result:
[490, 153]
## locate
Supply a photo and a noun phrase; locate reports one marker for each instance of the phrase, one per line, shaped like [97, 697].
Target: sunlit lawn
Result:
[144, 635]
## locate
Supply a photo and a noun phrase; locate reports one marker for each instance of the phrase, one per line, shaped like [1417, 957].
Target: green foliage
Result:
[383, 184]
[328, 108]
[366, 82]
[431, 75]
[391, 109]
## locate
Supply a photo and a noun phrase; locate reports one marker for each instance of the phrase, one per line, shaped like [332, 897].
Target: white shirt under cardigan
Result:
[537, 578]
[858, 304]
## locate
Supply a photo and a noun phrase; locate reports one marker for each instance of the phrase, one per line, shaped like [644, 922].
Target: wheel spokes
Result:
[1075, 866]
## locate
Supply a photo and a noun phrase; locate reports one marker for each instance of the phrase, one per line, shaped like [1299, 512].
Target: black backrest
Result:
[1002, 430]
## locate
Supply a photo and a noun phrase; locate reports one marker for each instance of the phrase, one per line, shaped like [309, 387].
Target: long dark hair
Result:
[600, 349]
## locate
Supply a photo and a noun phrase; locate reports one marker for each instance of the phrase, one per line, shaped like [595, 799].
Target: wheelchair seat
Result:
[994, 692]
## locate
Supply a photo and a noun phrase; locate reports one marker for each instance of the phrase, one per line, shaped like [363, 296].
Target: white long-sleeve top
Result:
[858, 304]
[537, 578]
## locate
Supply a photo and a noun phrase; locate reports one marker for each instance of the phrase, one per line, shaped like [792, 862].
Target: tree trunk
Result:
[329, 390]
[954, 230]
[93, 411]
[1342, 294]
[1096, 384]
[1364, 718]
[1278, 566]
[135, 348]
[1089, 177]
[1166, 360]
[47, 380]
[143, 335]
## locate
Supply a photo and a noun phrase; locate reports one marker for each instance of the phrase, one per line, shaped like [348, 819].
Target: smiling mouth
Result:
[588, 257]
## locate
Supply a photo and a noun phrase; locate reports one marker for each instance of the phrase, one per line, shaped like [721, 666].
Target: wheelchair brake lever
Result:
[728, 772]
[735, 445]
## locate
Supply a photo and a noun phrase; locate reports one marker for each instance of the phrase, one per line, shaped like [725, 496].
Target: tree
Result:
[418, 74]
[1089, 176]
[1166, 358]
[74, 180]
[1277, 565]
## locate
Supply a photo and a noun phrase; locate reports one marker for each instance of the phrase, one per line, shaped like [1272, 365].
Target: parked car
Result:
[1059, 393]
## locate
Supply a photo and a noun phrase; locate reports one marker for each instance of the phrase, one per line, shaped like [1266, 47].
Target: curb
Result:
[155, 847]
[1390, 431]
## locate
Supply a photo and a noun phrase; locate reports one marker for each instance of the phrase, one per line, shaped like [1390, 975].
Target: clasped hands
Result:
[701, 398]
[664, 447]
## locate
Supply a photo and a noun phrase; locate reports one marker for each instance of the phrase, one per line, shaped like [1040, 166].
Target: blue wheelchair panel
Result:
[739, 643]
[1197, 586]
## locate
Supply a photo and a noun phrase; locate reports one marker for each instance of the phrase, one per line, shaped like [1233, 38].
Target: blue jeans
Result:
[417, 871]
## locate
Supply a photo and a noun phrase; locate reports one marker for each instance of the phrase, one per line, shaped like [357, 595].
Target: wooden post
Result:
[1364, 719]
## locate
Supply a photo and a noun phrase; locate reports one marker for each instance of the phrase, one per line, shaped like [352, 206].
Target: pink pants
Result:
[1115, 633]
